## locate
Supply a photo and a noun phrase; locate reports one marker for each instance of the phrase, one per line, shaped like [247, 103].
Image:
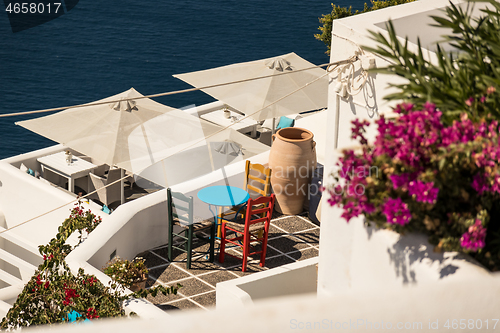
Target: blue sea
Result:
[101, 48]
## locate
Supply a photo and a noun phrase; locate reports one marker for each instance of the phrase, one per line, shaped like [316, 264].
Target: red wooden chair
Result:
[257, 218]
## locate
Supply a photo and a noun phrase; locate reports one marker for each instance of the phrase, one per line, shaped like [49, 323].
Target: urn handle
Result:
[274, 137]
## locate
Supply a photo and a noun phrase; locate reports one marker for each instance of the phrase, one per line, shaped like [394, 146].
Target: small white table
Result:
[56, 163]
[243, 126]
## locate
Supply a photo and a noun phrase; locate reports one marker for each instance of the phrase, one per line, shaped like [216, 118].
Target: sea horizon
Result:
[98, 49]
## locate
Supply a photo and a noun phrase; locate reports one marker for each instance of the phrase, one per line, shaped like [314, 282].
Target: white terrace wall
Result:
[29, 159]
[381, 309]
[297, 278]
[364, 258]
[132, 228]
[23, 197]
[353, 257]
[141, 224]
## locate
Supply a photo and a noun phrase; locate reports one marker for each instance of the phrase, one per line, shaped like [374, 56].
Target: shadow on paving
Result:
[291, 239]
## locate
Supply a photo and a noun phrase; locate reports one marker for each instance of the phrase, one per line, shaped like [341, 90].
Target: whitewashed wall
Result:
[23, 197]
[354, 257]
[296, 279]
[132, 228]
[426, 309]
[142, 224]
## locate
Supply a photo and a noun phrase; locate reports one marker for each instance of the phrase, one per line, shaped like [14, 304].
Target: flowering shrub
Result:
[54, 291]
[126, 272]
[340, 12]
[81, 220]
[430, 177]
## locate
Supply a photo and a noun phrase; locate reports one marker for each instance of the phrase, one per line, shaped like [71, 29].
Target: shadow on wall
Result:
[369, 96]
[412, 255]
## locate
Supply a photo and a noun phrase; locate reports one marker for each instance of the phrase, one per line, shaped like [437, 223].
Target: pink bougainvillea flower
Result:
[423, 192]
[399, 181]
[474, 238]
[404, 107]
[479, 184]
[351, 209]
[396, 211]
[358, 130]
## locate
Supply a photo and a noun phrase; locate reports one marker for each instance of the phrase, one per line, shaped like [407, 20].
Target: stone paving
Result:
[291, 238]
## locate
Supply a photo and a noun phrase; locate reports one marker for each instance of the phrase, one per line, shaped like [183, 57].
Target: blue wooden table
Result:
[220, 197]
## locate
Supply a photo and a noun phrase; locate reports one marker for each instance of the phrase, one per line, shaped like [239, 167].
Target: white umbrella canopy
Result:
[199, 157]
[252, 96]
[136, 134]
[101, 131]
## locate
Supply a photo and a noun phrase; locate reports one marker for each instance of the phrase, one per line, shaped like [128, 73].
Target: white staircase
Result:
[17, 253]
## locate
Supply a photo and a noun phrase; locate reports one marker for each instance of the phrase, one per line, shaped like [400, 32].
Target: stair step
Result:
[27, 245]
[8, 278]
[4, 308]
[16, 261]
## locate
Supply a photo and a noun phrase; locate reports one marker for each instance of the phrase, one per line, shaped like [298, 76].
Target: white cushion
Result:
[23, 168]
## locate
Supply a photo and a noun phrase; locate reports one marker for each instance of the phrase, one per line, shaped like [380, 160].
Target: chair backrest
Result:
[257, 179]
[181, 209]
[113, 175]
[108, 194]
[101, 167]
[264, 209]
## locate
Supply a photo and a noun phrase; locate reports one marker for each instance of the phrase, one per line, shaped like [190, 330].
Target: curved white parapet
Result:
[297, 278]
[25, 198]
[141, 224]
[29, 159]
[132, 228]
[429, 308]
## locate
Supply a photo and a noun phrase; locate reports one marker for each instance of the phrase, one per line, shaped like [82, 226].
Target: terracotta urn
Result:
[292, 160]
